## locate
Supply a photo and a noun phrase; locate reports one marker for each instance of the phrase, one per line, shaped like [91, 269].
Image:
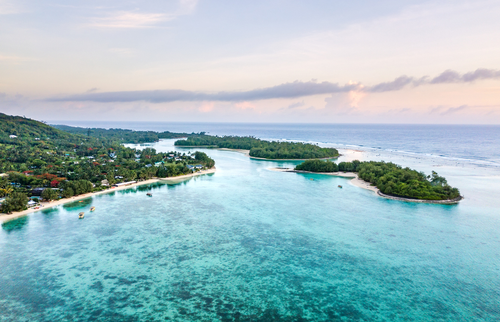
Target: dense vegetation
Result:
[121, 135]
[390, 178]
[36, 155]
[260, 148]
[317, 166]
[16, 201]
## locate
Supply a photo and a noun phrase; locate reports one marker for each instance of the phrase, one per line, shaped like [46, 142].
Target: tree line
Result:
[36, 155]
[261, 148]
[390, 178]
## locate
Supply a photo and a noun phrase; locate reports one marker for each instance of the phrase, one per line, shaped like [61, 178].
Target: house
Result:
[190, 167]
[76, 162]
[124, 183]
[137, 155]
[118, 177]
[37, 139]
[112, 155]
[37, 191]
[198, 166]
[12, 136]
[157, 164]
[105, 182]
[148, 165]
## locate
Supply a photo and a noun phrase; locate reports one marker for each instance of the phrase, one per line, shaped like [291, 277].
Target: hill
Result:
[62, 164]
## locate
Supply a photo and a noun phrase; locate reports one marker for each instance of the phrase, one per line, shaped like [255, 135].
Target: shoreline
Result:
[360, 183]
[247, 153]
[55, 203]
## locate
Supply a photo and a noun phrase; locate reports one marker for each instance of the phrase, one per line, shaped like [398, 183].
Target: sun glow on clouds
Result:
[206, 107]
[244, 105]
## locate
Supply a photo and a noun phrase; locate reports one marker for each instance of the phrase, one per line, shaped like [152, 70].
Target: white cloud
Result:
[8, 7]
[129, 20]
[187, 5]
[134, 19]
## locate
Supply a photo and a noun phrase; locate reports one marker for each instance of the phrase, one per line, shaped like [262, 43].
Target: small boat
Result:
[149, 194]
[311, 179]
[92, 209]
[81, 215]
[340, 186]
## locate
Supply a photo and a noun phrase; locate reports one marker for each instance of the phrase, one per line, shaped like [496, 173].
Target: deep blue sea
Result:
[251, 244]
[467, 142]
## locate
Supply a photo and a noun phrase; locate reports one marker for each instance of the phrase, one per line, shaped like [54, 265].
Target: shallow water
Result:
[249, 244]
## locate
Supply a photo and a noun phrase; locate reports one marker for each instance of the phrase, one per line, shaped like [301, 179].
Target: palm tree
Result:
[5, 191]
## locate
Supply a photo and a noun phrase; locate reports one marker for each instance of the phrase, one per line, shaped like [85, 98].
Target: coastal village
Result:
[41, 163]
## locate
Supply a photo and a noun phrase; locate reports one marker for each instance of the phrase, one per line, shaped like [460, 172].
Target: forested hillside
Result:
[121, 135]
[36, 155]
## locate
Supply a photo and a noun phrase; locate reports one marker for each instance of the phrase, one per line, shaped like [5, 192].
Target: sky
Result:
[313, 61]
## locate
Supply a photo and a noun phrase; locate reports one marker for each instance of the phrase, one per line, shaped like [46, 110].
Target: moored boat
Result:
[149, 194]
[340, 186]
[92, 209]
[81, 215]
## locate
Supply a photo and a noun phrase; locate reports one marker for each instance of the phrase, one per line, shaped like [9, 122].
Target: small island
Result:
[261, 149]
[391, 180]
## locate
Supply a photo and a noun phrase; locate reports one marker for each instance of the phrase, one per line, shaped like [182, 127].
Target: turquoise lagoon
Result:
[250, 244]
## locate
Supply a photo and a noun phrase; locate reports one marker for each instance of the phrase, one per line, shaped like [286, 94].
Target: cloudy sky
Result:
[386, 61]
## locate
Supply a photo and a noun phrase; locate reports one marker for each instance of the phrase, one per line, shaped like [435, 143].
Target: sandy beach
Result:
[356, 181]
[55, 203]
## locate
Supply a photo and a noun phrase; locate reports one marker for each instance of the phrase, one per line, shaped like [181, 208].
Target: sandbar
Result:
[356, 181]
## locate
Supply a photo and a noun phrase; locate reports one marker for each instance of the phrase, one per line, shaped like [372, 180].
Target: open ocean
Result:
[465, 142]
[250, 244]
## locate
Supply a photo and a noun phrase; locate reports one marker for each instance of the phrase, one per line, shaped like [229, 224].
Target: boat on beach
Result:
[81, 215]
